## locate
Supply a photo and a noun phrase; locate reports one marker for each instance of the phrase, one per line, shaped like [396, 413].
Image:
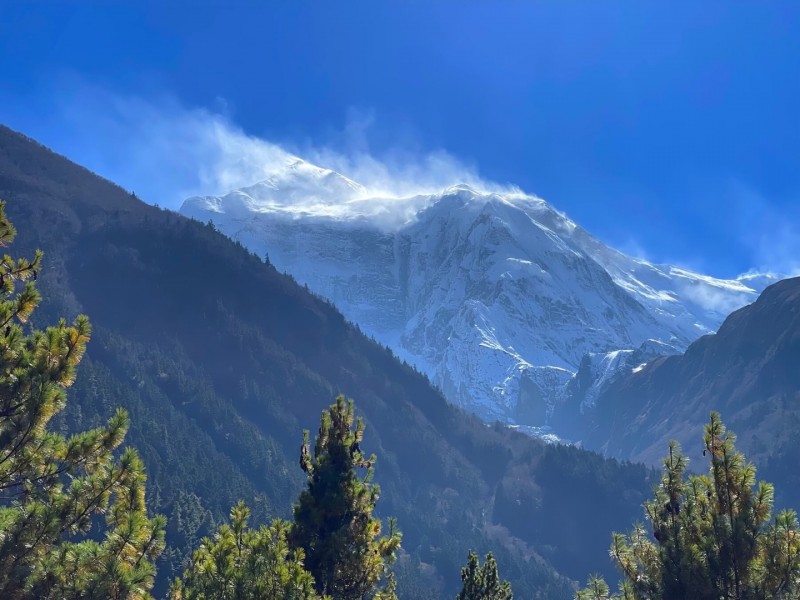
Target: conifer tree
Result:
[482, 582]
[596, 589]
[245, 564]
[54, 487]
[333, 521]
[711, 534]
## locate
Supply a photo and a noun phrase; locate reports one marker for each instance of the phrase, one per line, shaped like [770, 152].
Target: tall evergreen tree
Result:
[244, 564]
[333, 521]
[54, 487]
[482, 582]
[712, 535]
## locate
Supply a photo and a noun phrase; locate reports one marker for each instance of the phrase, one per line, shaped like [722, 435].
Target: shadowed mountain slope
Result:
[749, 371]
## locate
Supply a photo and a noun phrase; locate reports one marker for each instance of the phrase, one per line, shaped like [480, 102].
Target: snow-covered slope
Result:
[497, 296]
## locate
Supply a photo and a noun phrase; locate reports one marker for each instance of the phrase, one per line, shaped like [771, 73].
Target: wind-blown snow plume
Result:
[773, 236]
[498, 297]
[166, 152]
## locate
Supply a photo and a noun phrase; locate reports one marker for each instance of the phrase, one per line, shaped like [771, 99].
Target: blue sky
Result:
[670, 130]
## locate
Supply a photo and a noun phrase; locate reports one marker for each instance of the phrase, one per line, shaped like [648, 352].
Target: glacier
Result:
[510, 308]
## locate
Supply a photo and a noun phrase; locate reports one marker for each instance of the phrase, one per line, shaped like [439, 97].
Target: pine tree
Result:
[712, 536]
[596, 589]
[333, 522]
[55, 487]
[244, 564]
[482, 582]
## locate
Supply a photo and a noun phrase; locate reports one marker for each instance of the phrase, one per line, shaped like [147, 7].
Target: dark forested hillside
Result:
[222, 361]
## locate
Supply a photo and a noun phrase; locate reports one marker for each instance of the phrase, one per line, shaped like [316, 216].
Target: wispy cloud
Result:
[167, 152]
[772, 235]
[632, 247]
[719, 299]
[163, 150]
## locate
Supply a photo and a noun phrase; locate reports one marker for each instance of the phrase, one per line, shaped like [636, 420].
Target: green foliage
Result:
[333, 516]
[713, 535]
[482, 582]
[53, 487]
[246, 564]
[334, 523]
[596, 589]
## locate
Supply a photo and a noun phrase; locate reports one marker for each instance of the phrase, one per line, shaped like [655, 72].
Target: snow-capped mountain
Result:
[497, 296]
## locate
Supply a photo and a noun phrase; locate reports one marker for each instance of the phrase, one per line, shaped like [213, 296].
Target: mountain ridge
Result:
[497, 296]
[747, 371]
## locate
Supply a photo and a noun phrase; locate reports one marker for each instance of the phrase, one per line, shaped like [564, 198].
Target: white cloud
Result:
[162, 150]
[632, 247]
[717, 299]
[166, 152]
[771, 234]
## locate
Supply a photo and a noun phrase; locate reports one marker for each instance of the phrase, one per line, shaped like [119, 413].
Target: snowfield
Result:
[498, 297]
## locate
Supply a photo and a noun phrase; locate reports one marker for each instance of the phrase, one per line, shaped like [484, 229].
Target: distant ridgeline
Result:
[220, 361]
[749, 371]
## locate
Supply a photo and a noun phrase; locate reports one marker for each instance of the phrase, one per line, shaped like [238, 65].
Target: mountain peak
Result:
[463, 190]
[300, 182]
[496, 295]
